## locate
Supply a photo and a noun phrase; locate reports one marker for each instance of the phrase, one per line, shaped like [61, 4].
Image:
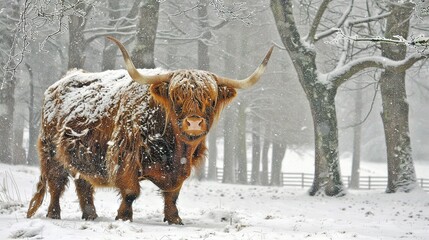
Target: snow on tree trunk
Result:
[265, 149]
[7, 103]
[10, 14]
[109, 50]
[212, 159]
[256, 151]
[32, 124]
[77, 44]
[147, 24]
[240, 152]
[203, 62]
[321, 96]
[203, 48]
[229, 118]
[401, 173]
[279, 151]
[357, 132]
[228, 150]
[327, 177]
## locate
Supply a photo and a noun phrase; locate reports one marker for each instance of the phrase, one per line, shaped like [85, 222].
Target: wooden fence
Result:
[305, 180]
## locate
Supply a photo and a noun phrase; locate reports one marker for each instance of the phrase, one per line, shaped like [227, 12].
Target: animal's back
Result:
[82, 115]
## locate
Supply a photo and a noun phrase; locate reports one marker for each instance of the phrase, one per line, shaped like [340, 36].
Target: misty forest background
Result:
[346, 77]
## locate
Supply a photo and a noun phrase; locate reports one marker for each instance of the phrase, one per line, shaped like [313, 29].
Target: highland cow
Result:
[109, 130]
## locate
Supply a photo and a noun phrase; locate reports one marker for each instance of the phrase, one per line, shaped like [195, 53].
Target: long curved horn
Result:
[249, 81]
[134, 74]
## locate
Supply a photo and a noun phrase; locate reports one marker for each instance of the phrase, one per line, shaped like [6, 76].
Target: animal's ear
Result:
[226, 94]
[160, 93]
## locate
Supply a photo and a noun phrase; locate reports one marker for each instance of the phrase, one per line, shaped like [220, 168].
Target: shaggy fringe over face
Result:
[194, 91]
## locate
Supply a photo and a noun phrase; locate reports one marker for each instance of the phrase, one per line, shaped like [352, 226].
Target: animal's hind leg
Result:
[57, 178]
[128, 184]
[85, 192]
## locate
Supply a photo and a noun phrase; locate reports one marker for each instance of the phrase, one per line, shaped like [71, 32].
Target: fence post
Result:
[302, 180]
[348, 181]
[369, 182]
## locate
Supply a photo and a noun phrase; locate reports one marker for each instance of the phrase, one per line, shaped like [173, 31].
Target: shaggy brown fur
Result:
[104, 129]
[133, 140]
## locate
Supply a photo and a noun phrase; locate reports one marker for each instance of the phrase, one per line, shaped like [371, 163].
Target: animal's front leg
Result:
[171, 214]
[130, 190]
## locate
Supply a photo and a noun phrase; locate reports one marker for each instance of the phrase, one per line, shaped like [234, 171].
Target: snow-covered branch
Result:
[342, 74]
[111, 29]
[420, 40]
[236, 11]
[35, 16]
[20, 38]
[368, 19]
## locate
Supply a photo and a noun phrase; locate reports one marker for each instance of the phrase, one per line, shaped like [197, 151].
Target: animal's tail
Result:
[37, 199]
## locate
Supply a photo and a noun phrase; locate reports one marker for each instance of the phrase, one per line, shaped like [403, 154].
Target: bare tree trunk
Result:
[109, 51]
[18, 140]
[32, 158]
[354, 181]
[241, 143]
[256, 151]
[228, 154]
[10, 13]
[265, 148]
[7, 109]
[327, 177]
[229, 117]
[279, 151]
[204, 64]
[401, 173]
[147, 24]
[212, 169]
[77, 43]
[203, 48]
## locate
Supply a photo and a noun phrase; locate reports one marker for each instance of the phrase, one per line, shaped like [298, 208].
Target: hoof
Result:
[53, 215]
[90, 217]
[125, 214]
[89, 213]
[124, 218]
[176, 221]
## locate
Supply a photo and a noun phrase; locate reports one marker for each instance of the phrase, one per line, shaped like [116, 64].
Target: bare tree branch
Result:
[236, 11]
[340, 23]
[316, 21]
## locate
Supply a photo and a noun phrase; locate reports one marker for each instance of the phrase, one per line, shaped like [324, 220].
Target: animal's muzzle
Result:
[194, 125]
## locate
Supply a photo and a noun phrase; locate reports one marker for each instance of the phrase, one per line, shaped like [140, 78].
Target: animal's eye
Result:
[200, 105]
[178, 108]
[210, 106]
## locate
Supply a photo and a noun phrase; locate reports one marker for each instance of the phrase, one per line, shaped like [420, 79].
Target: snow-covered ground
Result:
[217, 211]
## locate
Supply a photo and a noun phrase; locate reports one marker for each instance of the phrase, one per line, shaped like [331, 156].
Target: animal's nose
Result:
[194, 123]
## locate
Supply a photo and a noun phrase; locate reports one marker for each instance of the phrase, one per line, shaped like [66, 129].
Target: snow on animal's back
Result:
[90, 96]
